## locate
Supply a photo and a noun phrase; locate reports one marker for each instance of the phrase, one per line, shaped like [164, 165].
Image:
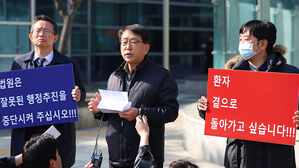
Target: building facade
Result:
[94, 42]
[229, 15]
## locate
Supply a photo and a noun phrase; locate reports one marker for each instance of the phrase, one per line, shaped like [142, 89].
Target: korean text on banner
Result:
[38, 96]
[256, 106]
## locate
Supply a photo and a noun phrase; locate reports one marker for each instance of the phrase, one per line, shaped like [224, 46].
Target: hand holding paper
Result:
[94, 102]
[130, 114]
[113, 101]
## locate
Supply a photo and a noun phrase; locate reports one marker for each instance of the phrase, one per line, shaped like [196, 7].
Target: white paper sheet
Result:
[53, 131]
[113, 101]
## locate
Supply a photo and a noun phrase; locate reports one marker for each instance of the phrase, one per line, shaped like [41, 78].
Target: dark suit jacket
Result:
[67, 139]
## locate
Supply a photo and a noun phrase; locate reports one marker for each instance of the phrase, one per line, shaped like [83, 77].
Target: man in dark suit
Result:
[43, 35]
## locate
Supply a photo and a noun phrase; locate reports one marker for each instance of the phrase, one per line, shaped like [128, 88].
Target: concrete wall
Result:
[203, 147]
[85, 118]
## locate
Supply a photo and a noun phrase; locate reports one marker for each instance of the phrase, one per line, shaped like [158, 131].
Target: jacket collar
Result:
[274, 61]
[29, 56]
[56, 59]
[120, 71]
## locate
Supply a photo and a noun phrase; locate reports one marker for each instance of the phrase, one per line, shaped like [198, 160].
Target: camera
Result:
[142, 111]
[96, 160]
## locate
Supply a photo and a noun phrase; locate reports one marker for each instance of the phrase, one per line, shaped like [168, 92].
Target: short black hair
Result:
[137, 29]
[182, 163]
[44, 18]
[262, 30]
[39, 150]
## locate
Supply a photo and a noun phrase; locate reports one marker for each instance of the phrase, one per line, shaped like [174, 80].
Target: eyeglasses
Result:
[45, 31]
[133, 42]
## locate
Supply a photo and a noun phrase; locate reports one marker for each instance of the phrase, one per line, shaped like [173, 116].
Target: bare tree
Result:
[67, 16]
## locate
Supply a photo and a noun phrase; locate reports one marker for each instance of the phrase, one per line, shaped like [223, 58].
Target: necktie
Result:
[40, 62]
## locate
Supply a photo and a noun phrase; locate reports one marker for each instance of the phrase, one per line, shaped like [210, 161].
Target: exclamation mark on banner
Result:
[75, 112]
[288, 131]
[70, 113]
[73, 115]
[293, 132]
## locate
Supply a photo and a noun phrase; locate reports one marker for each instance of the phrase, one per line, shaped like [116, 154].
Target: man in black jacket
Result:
[256, 47]
[148, 85]
[43, 35]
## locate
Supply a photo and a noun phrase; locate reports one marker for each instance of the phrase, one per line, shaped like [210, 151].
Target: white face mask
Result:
[246, 50]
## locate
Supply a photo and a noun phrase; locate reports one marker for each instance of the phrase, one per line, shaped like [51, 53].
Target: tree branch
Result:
[61, 10]
[75, 5]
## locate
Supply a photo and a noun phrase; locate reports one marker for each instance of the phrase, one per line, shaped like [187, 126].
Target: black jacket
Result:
[152, 86]
[252, 154]
[144, 158]
[67, 139]
[7, 162]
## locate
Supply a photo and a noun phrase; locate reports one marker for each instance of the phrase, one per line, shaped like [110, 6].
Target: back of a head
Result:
[262, 30]
[181, 163]
[38, 151]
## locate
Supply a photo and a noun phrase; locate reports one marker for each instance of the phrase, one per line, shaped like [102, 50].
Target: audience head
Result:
[182, 163]
[41, 151]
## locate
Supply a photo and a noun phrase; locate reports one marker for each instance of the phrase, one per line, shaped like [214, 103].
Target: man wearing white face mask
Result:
[246, 49]
[256, 47]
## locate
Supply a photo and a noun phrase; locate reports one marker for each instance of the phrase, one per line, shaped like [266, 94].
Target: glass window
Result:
[79, 40]
[152, 0]
[180, 65]
[242, 12]
[103, 66]
[104, 40]
[81, 15]
[156, 41]
[15, 10]
[229, 15]
[48, 8]
[286, 4]
[113, 14]
[150, 14]
[181, 41]
[284, 14]
[219, 34]
[195, 1]
[191, 16]
[14, 39]
[5, 64]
